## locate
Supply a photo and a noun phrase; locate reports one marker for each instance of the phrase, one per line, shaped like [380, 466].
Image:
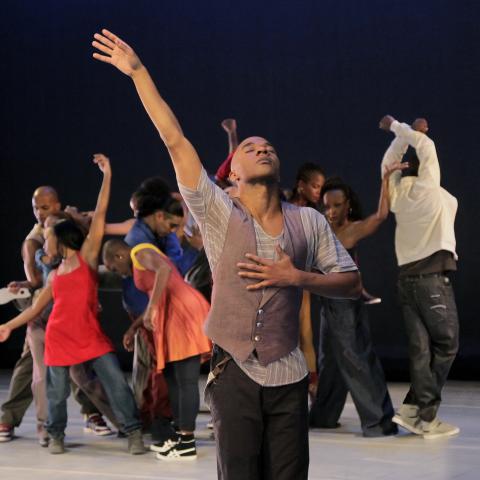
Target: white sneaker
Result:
[407, 418]
[438, 429]
[7, 296]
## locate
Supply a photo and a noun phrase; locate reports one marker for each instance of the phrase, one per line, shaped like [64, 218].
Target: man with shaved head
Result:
[22, 390]
[44, 202]
[262, 253]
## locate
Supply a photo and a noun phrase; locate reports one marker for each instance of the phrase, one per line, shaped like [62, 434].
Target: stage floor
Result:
[338, 455]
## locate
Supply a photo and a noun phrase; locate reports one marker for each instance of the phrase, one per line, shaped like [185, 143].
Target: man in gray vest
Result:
[261, 253]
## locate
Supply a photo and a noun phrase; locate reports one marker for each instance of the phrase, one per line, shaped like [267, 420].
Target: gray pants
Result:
[431, 321]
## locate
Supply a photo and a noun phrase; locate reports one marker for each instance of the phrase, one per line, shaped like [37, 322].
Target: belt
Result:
[423, 275]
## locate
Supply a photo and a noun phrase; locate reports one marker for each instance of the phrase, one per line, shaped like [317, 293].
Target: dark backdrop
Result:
[312, 76]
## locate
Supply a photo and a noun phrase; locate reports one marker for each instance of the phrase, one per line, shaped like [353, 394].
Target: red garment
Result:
[224, 169]
[73, 333]
[179, 317]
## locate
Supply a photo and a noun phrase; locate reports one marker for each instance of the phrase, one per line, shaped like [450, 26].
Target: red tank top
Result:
[73, 332]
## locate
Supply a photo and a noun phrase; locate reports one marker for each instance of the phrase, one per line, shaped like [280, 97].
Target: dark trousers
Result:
[116, 387]
[348, 363]
[20, 394]
[182, 380]
[261, 432]
[431, 321]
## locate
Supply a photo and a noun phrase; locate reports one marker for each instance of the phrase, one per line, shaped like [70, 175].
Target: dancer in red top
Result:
[176, 312]
[73, 333]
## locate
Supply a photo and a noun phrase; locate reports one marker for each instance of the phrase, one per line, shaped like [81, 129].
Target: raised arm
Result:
[121, 228]
[29, 314]
[429, 168]
[230, 126]
[184, 157]
[92, 244]
[368, 226]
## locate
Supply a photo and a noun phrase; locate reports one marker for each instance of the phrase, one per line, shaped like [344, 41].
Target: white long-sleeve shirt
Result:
[424, 211]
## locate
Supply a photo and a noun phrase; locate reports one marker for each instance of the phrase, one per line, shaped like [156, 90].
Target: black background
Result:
[314, 77]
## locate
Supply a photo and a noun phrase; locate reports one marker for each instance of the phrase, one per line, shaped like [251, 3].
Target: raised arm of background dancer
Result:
[30, 313]
[92, 244]
[230, 126]
[34, 276]
[282, 273]
[366, 227]
[184, 157]
[429, 168]
[152, 261]
[121, 228]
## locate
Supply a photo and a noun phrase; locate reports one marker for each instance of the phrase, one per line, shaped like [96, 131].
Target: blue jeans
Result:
[431, 321]
[116, 387]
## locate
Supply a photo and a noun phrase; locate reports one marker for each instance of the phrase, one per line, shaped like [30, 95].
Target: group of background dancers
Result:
[234, 263]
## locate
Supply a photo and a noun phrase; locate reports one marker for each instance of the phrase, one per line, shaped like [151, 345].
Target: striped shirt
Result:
[211, 207]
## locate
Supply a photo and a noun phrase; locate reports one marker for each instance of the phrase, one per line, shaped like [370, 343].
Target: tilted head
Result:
[255, 161]
[51, 243]
[310, 180]
[68, 235]
[155, 205]
[340, 201]
[45, 202]
[116, 257]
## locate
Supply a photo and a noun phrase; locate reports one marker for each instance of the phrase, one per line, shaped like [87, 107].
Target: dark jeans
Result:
[182, 380]
[431, 321]
[116, 387]
[348, 363]
[261, 432]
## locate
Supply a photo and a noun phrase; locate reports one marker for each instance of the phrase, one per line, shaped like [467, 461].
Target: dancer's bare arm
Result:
[153, 261]
[366, 227]
[92, 244]
[230, 126]
[184, 156]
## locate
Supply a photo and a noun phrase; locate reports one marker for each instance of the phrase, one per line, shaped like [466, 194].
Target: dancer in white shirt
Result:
[425, 248]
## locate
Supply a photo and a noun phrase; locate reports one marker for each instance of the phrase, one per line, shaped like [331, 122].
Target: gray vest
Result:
[241, 321]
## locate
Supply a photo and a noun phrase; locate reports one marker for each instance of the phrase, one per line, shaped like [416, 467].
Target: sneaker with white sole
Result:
[184, 450]
[438, 429]
[407, 418]
[165, 446]
[6, 432]
[96, 424]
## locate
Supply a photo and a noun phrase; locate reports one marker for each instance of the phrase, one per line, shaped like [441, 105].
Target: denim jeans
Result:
[116, 387]
[182, 380]
[347, 362]
[431, 322]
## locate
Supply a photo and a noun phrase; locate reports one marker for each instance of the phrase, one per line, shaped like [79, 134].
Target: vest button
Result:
[256, 338]
[259, 324]
[260, 312]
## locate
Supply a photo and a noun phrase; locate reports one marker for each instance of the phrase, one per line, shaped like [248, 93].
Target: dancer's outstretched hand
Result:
[103, 162]
[394, 167]
[4, 333]
[269, 273]
[116, 52]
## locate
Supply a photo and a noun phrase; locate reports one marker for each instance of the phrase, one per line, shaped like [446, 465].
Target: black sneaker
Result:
[184, 450]
[165, 446]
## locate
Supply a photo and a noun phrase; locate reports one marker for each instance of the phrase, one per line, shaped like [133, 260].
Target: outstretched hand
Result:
[4, 332]
[270, 273]
[103, 162]
[229, 125]
[394, 167]
[116, 52]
